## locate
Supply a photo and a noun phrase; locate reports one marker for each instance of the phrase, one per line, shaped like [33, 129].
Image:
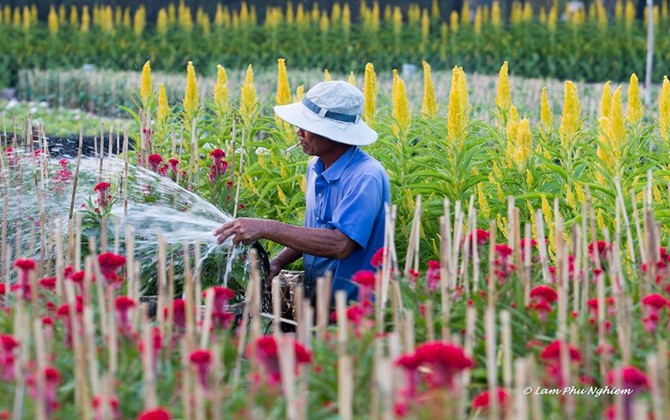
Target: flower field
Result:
[526, 258]
[540, 42]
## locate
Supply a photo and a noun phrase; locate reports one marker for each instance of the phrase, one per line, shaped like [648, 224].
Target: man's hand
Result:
[242, 229]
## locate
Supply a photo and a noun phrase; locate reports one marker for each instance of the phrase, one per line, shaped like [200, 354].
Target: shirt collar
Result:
[335, 171]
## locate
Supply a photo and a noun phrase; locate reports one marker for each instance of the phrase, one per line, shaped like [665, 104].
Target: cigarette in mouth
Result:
[290, 149]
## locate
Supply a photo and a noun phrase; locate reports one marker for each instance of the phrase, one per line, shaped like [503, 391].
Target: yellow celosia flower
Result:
[400, 107]
[617, 130]
[346, 18]
[570, 197]
[453, 21]
[146, 86]
[139, 20]
[618, 11]
[397, 21]
[299, 93]
[352, 78]
[552, 18]
[542, 16]
[455, 125]
[501, 222]
[465, 13]
[85, 19]
[425, 25]
[664, 109]
[527, 14]
[326, 75]
[529, 178]
[546, 118]
[62, 14]
[635, 109]
[191, 99]
[429, 106]
[336, 13]
[163, 109]
[477, 25]
[463, 87]
[370, 93]
[172, 14]
[53, 20]
[162, 22]
[523, 145]
[283, 88]
[606, 101]
[516, 14]
[546, 209]
[126, 17]
[185, 17]
[27, 18]
[483, 201]
[503, 98]
[511, 129]
[629, 13]
[74, 16]
[571, 115]
[221, 89]
[435, 9]
[324, 22]
[495, 14]
[248, 98]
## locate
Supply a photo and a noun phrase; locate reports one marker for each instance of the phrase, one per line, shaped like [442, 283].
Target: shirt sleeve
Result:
[356, 214]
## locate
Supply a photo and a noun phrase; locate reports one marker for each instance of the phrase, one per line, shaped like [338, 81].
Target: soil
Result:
[69, 146]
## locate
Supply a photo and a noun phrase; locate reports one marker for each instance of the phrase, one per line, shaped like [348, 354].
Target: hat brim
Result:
[355, 134]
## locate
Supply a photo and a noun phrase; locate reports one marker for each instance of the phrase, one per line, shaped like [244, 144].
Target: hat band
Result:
[324, 113]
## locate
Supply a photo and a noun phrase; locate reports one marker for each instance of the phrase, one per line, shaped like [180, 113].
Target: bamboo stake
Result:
[527, 265]
[287, 364]
[4, 249]
[276, 309]
[491, 366]
[190, 302]
[430, 324]
[444, 274]
[344, 362]
[207, 321]
[409, 331]
[412, 255]
[125, 172]
[468, 347]
[322, 305]
[520, 405]
[162, 281]
[654, 389]
[505, 325]
[148, 362]
[41, 359]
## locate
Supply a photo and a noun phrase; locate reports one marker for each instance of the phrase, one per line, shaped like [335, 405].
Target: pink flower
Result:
[433, 276]
[220, 166]
[156, 345]
[174, 165]
[201, 359]
[155, 160]
[221, 297]
[178, 314]
[162, 170]
[601, 247]
[630, 378]
[268, 355]
[123, 305]
[544, 294]
[482, 401]
[154, 414]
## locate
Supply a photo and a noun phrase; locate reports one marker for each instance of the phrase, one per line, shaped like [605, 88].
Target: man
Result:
[346, 192]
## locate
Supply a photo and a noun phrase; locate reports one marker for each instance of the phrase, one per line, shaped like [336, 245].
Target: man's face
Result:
[313, 144]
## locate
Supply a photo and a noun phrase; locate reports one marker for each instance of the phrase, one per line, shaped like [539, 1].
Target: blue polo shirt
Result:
[349, 196]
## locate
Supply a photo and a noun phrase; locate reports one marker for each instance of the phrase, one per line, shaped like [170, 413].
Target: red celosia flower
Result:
[413, 276]
[123, 305]
[482, 400]
[444, 359]
[552, 352]
[542, 309]
[201, 359]
[433, 275]
[174, 165]
[156, 343]
[482, 237]
[602, 247]
[366, 284]
[268, 355]
[101, 189]
[544, 294]
[24, 266]
[178, 313]
[99, 408]
[652, 305]
[378, 259]
[630, 377]
[162, 170]
[110, 263]
[154, 414]
[49, 283]
[155, 160]
[7, 358]
[222, 319]
[221, 297]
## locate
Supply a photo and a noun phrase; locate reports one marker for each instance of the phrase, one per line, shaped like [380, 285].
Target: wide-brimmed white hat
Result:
[332, 110]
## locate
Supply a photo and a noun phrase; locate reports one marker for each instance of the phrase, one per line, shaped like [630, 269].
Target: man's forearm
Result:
[319, 242]
[286, 257]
